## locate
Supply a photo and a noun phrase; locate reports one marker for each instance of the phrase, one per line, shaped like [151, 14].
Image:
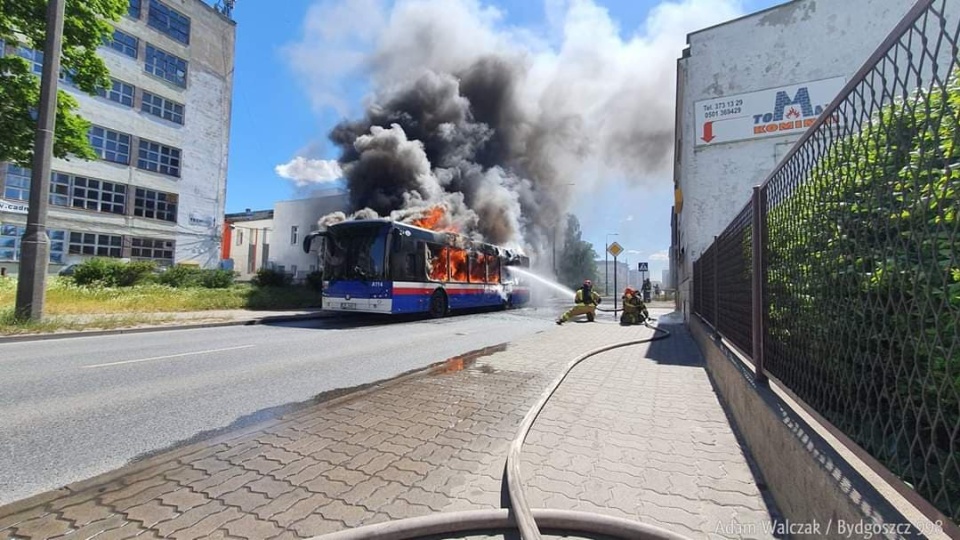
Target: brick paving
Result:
[635, 433]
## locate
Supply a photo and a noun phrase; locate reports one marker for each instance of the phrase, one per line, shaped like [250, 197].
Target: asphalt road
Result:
[74, 408]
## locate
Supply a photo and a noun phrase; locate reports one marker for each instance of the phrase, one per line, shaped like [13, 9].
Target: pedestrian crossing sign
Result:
[615, 249]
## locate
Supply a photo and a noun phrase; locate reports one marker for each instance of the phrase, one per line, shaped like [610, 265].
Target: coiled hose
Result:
[529, 521]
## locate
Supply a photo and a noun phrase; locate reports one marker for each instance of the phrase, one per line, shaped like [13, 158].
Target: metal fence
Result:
[841, 278]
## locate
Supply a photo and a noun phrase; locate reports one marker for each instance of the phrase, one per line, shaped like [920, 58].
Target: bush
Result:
[315, 280]
[113, 273]
[864, 290]
[216, 279]
[180, 276]
[267, 277]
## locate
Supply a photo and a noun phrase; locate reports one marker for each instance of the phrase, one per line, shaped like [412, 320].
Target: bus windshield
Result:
[354, 252]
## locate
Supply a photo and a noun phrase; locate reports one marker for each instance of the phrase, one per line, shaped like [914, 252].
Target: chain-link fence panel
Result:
[707, 288]
[861, 259]
[734, 281]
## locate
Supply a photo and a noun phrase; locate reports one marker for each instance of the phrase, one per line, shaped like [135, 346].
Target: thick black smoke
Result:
[460, 140]
[492, 125]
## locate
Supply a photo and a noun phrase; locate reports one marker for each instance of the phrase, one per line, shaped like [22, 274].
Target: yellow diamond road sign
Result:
[615, 249]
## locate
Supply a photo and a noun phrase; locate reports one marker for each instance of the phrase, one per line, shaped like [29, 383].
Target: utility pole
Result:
[35, 245]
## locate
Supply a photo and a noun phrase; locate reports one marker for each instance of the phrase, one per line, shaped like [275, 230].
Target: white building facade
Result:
[293, 220]
[746, 91]
[246, 242]
[273, 239]
[162, 134]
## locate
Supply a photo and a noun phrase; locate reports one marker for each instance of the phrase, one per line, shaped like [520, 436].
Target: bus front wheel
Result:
[438, 304]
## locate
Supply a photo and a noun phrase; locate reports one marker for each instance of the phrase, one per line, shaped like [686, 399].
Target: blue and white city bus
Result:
[382, 266]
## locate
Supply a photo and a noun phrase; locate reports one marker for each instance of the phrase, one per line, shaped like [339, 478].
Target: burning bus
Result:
[384, 266]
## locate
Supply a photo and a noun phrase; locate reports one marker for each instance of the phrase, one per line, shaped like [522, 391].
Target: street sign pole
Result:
[615, 289]
[615, 249]
[644, 269]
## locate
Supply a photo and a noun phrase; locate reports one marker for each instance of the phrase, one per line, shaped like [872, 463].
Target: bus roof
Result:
[438, 236]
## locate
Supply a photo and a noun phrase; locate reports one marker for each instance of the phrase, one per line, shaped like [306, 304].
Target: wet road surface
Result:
[74, 408]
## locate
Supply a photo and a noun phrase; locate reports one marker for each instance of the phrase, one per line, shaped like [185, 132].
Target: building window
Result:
[294, 235]
[166, 66]
[97, 195]
[120, 92]
[17, 185]
[87, 193]
[155, 205]
[162, 108]
[110, 145]
[99, 245]
[60, 189]
[239, 237]
[134, 9]
[159, 158]
[151, 248]
[34, 57]
[10, 236]
[169, 21]
[125, 44]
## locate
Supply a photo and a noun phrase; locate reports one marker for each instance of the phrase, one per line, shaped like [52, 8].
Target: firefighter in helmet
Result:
[634, 310]
[586, 303]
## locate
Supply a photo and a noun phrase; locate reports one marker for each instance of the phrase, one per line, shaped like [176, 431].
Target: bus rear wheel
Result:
[438, 304]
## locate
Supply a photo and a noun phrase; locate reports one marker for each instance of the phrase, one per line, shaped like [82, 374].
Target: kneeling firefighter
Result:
[586, 303]
[634, 310]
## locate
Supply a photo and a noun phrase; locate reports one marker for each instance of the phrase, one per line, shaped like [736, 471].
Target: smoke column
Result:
[495, 123]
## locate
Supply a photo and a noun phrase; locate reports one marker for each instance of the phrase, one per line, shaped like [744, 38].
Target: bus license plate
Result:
[348, 305]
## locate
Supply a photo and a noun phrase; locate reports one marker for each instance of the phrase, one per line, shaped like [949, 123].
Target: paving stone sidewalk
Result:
[635, 433]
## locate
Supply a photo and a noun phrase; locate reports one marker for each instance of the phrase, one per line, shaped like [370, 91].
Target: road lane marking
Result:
[168, 356]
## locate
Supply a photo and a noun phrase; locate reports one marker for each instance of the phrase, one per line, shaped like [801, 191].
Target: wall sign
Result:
[765, 113]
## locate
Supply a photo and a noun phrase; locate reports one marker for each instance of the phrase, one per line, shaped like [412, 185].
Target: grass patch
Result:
[10, 325]
[66, 298]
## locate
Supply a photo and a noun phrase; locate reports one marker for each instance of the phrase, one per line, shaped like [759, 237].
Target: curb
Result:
[94, 333]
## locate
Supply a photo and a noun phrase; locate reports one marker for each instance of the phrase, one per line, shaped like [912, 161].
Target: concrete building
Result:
[162, 133]
[746, 91]
[274, 238]
[294, 219]
[246, 242]
[606, 271]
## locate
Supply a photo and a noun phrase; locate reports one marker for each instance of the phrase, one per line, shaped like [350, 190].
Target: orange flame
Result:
[433, 219]
[452, 264]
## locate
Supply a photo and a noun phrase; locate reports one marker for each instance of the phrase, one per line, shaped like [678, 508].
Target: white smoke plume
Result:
[494, 122]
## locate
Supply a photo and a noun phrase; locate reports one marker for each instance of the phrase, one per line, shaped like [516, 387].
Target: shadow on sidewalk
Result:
[678, 349]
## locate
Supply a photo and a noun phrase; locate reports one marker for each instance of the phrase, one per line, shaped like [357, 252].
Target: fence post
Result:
[759, 234]
[716, 287]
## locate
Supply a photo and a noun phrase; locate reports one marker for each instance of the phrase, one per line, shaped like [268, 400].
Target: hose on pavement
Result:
[529, 521]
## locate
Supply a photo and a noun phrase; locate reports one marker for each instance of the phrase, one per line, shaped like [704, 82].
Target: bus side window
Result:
[438, 263]
[403, 260]
[493, 269]
[419, 260]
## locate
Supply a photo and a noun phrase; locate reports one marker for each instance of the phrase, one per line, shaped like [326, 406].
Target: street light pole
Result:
[35, 245]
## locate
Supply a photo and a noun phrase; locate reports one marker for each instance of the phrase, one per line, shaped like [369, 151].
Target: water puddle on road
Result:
[451, 365]
[465, 361]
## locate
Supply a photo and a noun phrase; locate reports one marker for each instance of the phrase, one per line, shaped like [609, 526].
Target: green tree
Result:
[87, 24]
[577, 259]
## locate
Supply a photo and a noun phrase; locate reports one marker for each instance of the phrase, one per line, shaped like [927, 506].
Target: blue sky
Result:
[274, 120]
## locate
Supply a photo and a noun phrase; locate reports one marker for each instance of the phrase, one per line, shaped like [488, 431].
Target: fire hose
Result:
[529, 521]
